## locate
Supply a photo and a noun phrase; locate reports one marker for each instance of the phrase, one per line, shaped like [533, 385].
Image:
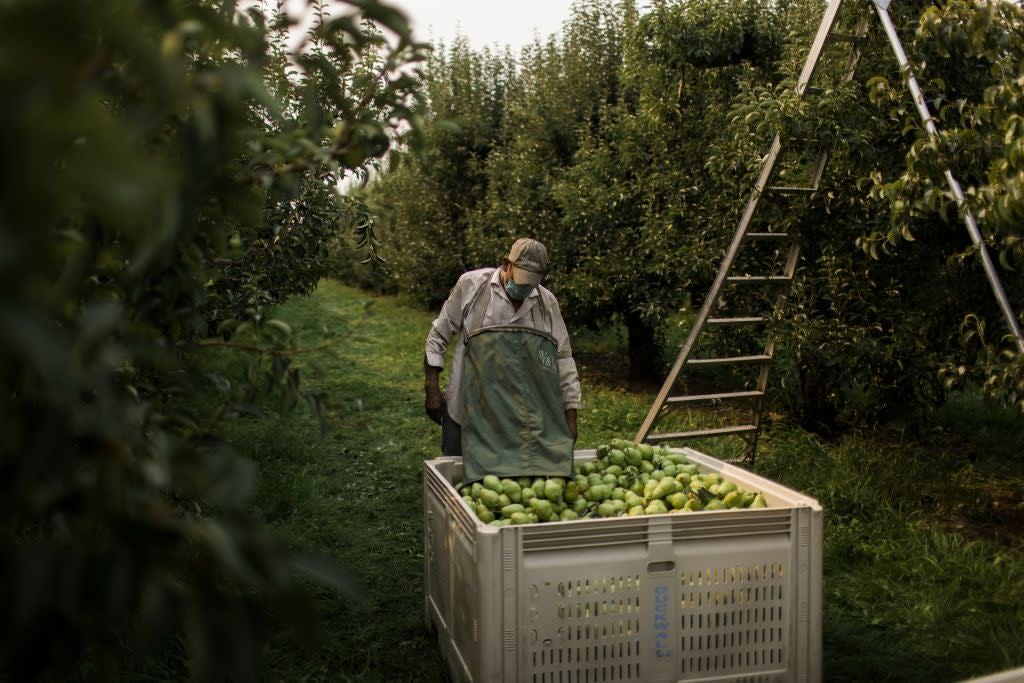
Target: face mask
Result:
[517, 292]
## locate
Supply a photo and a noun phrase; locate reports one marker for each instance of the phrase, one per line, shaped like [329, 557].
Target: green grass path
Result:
[905, 597]
[354, 494]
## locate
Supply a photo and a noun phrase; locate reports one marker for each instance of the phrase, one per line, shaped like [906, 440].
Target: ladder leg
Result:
[968, 217]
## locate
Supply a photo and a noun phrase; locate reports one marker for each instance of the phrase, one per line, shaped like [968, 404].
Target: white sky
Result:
[483, 22]
[486, 22]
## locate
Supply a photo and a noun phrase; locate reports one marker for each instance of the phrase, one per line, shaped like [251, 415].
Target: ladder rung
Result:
[702, 433]
[788, 189]
[714, 397]
[735, 321]
[734, 360]
[753, 279]
[846, 37]
[766, 235]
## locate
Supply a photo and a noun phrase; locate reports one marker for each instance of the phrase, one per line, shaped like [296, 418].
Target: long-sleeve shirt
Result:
[538, 311]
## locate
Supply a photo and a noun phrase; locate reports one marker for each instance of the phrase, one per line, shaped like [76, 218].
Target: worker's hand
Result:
[570, 421]
[435, 404]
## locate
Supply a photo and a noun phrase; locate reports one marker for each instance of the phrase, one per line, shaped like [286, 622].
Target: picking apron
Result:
[514, 419]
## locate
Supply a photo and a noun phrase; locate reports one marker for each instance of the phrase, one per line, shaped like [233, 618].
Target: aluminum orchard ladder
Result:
[765, 186]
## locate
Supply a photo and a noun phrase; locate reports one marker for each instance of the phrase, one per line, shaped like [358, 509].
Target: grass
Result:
[924, 558]
[355, 493]
[915, 587]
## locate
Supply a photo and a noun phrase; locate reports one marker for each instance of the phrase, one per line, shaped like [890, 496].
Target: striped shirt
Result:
[538, 311]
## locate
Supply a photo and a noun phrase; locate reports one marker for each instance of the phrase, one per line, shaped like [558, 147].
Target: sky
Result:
[486, 22]
[483, 22]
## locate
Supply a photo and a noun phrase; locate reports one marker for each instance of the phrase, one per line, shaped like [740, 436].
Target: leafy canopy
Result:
[169, 169]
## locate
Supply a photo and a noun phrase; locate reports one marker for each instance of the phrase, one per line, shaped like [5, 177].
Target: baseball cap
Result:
[529, 261]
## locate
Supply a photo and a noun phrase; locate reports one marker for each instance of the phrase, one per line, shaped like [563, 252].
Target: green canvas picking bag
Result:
[514, 422]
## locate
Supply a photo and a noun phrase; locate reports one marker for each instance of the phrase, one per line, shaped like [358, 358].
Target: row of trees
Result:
[169, 169]
[629, 144]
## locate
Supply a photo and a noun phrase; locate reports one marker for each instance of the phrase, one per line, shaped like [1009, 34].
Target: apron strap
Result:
[478, 308]
[540, 318]
[539, 314]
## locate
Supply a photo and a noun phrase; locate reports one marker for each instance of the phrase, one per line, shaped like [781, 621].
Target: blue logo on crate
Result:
[662, 626]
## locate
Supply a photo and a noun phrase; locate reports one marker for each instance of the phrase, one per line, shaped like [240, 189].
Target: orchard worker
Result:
[509, 408]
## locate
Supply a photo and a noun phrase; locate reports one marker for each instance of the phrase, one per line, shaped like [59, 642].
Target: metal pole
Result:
[881, 6]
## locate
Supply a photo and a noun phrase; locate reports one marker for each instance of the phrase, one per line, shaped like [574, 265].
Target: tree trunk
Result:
[818, 413]
[644, 351]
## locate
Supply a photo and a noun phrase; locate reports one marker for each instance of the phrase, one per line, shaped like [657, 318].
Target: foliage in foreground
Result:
[168, 171]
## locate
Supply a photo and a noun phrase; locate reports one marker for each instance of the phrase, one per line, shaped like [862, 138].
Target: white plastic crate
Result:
[729, 595]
